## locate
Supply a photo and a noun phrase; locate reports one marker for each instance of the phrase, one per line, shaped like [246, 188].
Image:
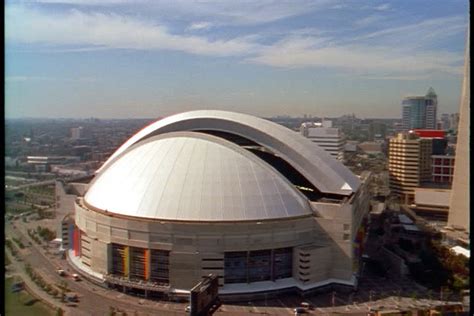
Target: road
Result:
[24, 186]
[45, 182]
[94, 300]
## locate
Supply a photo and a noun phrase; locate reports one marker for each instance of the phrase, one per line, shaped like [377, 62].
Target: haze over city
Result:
[123, 59]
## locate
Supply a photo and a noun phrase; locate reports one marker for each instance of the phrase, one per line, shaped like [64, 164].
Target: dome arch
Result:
[326, 174]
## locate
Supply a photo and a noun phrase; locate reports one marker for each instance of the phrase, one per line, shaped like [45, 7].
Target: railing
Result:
[139, 284]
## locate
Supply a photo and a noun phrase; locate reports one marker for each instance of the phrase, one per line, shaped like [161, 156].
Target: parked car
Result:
[306, 305]
[299, 310]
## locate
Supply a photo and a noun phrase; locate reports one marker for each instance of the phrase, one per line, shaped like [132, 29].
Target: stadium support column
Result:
[77, 241]
[147, 263]
[126, 262]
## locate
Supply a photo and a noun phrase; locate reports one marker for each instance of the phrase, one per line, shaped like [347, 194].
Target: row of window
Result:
[140, 263]
[259, 265]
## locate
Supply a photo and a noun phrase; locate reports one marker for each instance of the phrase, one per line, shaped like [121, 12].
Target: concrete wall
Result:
[191, 243]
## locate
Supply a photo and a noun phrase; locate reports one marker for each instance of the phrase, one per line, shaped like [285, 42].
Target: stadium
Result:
[250, 201]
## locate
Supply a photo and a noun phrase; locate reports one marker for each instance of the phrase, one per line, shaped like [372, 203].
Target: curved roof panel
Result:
[193, 177]
[323, 171]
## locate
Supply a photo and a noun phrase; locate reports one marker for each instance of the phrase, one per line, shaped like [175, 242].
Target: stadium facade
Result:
[202, 192]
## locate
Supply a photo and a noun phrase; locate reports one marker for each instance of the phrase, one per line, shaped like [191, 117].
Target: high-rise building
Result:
[327, 137]
[377, 131]
[438, 140]
[409, 164]
[442, 167]
[459, 204]
[445, 121]
[76, 133]
[420, 111]
[454, 121]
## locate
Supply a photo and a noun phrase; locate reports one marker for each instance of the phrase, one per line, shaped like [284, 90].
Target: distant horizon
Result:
[69, 58]
[158, 117]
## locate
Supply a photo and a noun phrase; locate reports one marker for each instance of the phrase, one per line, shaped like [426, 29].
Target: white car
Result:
[299, 310]
[187, 309]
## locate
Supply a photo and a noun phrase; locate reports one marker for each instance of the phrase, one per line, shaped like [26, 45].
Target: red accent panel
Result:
[76, 242]
[434, 133]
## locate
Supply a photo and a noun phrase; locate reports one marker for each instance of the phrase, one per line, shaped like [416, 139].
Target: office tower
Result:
[409, 164]
[76, 133]
[454, 121]
[420, 111]
[459, 204]
[377, 131]
[445, 121]
[438, 140]
[327, 137]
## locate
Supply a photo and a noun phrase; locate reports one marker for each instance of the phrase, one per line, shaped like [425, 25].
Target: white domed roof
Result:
[191, 176]
[326, 173]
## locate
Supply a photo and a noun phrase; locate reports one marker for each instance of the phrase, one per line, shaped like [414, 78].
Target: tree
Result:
[112, 311]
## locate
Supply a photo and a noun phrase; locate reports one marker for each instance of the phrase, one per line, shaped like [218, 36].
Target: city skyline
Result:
[111, 59]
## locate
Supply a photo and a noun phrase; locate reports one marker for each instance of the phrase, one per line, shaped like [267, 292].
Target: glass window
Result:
[159, 266]
[259, 265]
[282, 263]
[235, 267]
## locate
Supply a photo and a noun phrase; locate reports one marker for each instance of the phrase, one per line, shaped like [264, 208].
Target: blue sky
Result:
[130, 59]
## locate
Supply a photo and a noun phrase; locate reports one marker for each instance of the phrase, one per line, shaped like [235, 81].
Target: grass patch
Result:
[7, 261]
[22, 303]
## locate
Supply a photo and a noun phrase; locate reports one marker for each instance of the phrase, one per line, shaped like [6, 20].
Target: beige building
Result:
[327, 137]
[202, 192]
[409, 164]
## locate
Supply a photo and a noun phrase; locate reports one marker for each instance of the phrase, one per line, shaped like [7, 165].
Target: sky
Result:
[147, 59]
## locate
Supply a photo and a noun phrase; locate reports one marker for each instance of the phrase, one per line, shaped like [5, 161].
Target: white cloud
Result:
[392, 52]
[222, 12]
[298, 52]
[83, 2]
[242, 12]
[200, 26]
[12, 79]
[110, 31]
[435, 28]
[369, 20]
[383, 7]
